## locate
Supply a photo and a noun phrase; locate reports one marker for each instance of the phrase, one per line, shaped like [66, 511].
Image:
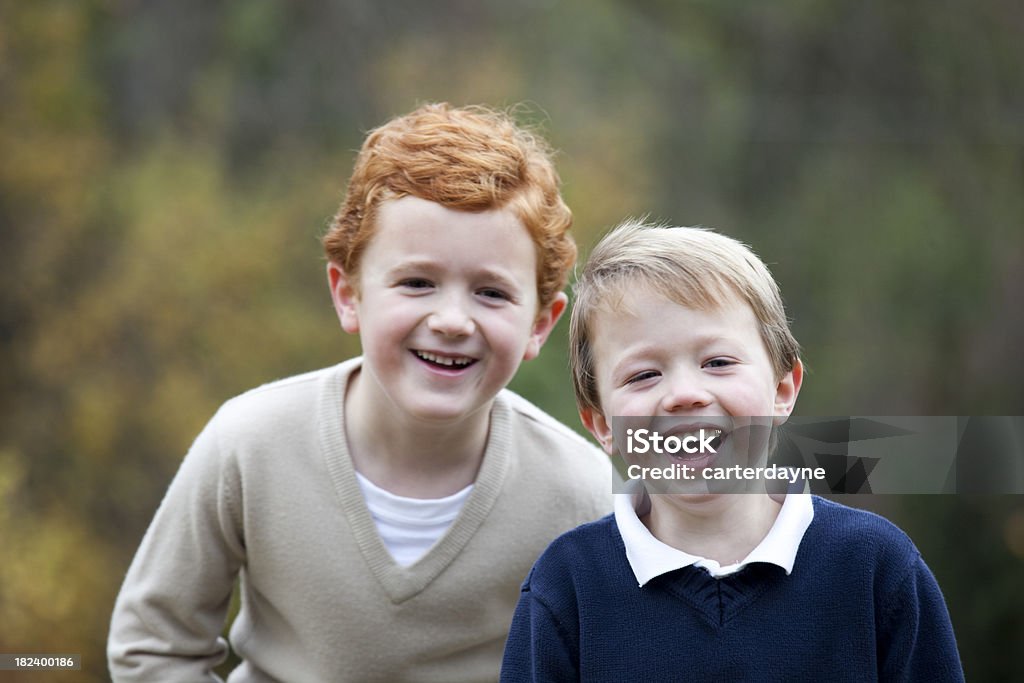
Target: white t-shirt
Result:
[410, 526]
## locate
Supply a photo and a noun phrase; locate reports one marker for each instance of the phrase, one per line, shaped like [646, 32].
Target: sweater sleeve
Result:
[539, 647]
[172, 606]
[916, 641]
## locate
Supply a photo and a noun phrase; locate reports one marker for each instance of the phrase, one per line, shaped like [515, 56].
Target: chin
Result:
[440, 412]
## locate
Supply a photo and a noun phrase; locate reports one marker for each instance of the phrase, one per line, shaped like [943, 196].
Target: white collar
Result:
[649, 557]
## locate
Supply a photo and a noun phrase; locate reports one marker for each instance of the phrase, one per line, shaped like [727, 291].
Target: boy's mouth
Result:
[442, 361]
[717, 436]
[707, 435]
[701, 435]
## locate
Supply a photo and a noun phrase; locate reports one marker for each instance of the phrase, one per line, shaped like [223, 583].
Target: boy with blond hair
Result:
[685, 329]
[380, 514]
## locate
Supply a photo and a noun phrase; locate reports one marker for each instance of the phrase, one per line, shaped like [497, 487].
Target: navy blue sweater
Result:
[860, 605]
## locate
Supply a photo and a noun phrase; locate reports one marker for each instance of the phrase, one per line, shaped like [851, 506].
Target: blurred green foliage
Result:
[167, 167]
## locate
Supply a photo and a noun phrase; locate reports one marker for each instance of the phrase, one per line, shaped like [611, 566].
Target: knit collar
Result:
[649, 557]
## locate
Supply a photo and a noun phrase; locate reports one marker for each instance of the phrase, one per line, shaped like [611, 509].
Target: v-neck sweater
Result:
[268, 493]
[860, 605]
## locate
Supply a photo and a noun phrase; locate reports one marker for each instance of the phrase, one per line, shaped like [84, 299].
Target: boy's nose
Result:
[685, 393]
[451, 320]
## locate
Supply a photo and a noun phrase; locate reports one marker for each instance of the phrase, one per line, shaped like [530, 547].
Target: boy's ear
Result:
[543, 325]
[343, 294]
[597, 425]
[786, 392]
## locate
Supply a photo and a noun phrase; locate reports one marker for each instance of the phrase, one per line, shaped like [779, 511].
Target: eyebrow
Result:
[644, 346]
[411, 264]
[624, 356]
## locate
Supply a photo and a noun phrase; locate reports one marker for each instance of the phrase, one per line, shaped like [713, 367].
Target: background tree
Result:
[166, 168]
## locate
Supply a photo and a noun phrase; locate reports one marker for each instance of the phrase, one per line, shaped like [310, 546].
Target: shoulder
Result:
[586, 540]
[852, 538]
[866, 555]
[277, 394]
[862, 528]
[560, 469]
[576, 553]
[279, 403]
[283, 416]
[533, 424]
[538, 419]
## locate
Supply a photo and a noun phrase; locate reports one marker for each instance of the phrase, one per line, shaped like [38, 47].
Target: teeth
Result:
[459, 362]
[716, 433]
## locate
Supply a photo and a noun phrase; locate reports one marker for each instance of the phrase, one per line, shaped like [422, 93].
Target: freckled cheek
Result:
[752, 400]
[629, 405]
[406, 315]
[510, 332]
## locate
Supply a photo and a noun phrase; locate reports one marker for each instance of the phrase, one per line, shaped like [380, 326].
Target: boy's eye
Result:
[719, 363]
[641, 376]
[492, 293]
[415, 283]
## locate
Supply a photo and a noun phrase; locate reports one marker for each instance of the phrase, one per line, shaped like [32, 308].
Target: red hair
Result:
[465, 158]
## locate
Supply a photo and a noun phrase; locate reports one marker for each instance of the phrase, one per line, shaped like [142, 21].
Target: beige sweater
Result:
[268, 494]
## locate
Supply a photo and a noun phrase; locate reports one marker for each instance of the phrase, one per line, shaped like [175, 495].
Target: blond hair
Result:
[466, 158]
[694, 267]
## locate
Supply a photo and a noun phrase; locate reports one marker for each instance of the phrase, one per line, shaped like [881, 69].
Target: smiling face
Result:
[446, 309]
[689, 369]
